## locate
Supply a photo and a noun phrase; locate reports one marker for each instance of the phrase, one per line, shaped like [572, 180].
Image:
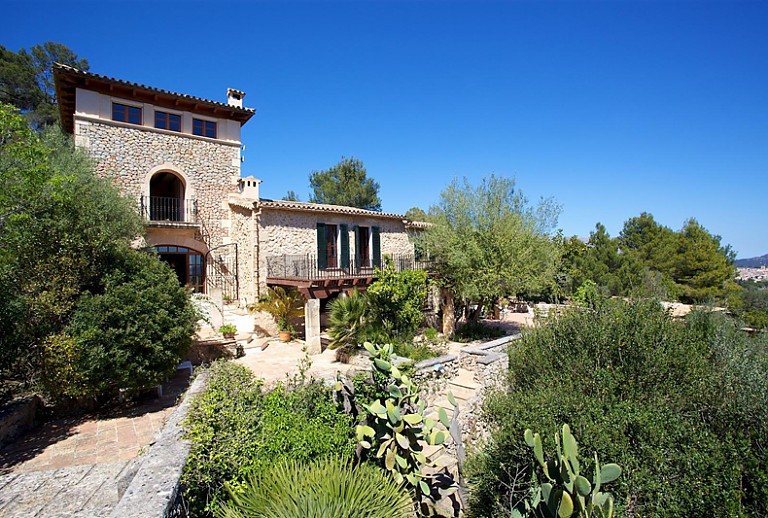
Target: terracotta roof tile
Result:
[322, 207]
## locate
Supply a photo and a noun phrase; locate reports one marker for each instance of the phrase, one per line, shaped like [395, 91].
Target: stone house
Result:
[179, 157]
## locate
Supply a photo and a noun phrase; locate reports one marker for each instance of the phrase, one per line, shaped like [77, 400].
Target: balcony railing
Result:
[306, 268]
[167, 209]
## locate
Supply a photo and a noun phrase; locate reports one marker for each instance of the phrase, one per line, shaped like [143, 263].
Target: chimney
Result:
[235, 97]
[249, 187]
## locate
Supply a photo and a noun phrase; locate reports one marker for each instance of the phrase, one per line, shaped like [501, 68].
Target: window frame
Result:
[331, 246]
[128, 108]
[363, 244]
[168, 116]
[204, 127]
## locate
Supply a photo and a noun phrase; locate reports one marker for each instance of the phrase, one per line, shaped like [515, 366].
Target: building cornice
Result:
[69, 79]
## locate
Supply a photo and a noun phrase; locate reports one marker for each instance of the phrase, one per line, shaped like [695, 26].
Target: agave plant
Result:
[328, 487]
[284, 305]
[346, 320]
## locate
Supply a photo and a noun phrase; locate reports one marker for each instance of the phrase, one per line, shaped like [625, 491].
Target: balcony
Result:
[168, 212]
[303, 272]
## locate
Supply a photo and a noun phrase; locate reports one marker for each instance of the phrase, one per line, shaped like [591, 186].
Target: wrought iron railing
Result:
[306, 267]
[164, 208]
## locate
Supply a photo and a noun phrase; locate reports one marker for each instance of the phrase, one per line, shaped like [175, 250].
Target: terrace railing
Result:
[163, 208]
[306, 267]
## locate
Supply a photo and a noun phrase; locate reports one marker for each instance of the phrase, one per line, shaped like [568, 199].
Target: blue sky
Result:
[612, 108]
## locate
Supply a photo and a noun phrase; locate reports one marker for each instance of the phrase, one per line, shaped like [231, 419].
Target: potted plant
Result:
[228, 330]
[284, 305]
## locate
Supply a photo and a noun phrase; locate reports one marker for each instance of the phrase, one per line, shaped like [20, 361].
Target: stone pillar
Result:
[217, 313]
[312, 326]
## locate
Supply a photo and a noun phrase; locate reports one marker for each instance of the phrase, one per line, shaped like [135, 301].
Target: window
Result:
[168, 121]
[187, 263]
[331, 247]
[125, 113]
[362, 247]
[203, 128]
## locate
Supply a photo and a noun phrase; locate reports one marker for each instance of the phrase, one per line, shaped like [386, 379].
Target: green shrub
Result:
[417, 352]
[472, 331]
[430, 334]
[681, 407]
[325, 488]
[395, 301]
[130, 336]
[237, 430]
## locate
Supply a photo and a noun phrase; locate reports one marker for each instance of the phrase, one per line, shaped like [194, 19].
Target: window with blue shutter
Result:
[376, 246]
[322, 264]
[344, 246]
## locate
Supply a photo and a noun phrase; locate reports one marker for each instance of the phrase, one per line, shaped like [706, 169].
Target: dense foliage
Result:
[321, 489]
[77, 300]
[650, 259]
[129, 336]
[237, 430]
[751, 304]
[682, 408]
[488, 242]
[346, 183]
[26, 80]
[395, 300]
[390, 311]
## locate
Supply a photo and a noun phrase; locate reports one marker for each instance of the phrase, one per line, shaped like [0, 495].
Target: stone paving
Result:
[279, 360]
[75, 466]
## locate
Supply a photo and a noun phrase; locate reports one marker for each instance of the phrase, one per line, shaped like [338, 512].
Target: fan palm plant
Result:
[328, 487]
[346, 320]
[284, 306]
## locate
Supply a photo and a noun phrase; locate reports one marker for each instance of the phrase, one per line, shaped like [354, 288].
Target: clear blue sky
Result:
[613, 108]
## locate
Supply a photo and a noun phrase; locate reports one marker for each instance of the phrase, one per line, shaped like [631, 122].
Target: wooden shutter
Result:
[344, 246]
[322, 263]
[356, 229]
[376, 241]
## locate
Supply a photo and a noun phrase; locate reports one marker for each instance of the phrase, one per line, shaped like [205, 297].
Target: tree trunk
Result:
[449, 312]
[474, 316]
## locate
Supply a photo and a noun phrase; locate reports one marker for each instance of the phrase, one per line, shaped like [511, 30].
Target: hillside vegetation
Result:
[681, 407]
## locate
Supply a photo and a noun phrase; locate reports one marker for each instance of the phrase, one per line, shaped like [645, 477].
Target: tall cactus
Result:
[567, 492]
[396, 428]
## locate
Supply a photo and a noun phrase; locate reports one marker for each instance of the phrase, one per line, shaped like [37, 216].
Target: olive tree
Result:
[488, 241]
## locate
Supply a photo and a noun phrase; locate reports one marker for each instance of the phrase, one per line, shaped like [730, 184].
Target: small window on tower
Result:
[168, 121]
[203, 128]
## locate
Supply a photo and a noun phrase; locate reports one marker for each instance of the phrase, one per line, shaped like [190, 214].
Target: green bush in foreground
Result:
[680, 406]
[238, 430]
[331, 488]
[130, 336]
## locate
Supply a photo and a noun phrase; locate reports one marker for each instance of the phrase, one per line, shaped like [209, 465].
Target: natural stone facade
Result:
[130, 156]
[185, 178]
[284, 232]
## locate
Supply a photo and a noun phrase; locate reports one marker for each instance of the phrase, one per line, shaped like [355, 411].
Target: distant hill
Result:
[753, 262]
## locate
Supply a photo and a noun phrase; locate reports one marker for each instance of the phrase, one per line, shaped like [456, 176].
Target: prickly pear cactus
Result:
[566, 492]
[396, 429]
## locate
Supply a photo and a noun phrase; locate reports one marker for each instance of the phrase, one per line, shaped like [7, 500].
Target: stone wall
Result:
[17, 417]
[287, 232]
[243, 233]
[129, 155]
[154, 489]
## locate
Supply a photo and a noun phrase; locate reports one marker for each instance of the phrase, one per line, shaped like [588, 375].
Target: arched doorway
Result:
[187, 263]
[166, 197]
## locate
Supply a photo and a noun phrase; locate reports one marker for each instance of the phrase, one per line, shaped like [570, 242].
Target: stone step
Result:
[461, 393]
[466, 379]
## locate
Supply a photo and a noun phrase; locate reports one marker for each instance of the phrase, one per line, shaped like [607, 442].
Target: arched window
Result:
[166, 198]
[187, 263]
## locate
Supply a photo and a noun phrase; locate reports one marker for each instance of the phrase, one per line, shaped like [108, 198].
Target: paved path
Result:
[73, 466]
[280, 360]
[77, 491]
